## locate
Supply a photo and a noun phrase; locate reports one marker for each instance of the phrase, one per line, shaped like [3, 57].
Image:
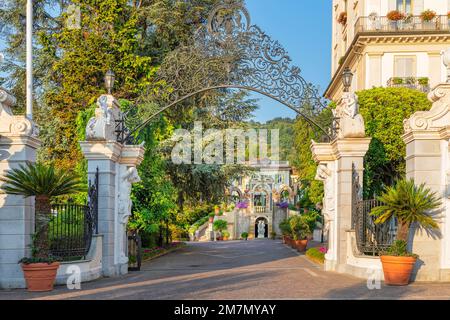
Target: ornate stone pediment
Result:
[435, 119]
[11, 124]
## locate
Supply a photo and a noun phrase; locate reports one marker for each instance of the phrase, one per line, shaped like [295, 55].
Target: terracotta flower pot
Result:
[301, 245]
[397, 270]
[40, 276]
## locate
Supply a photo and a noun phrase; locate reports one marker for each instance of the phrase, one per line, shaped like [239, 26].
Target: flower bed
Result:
[317, 254]
[153, 253]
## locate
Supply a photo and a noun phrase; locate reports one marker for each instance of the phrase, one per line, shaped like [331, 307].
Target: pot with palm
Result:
[44, 182]
[409, 204]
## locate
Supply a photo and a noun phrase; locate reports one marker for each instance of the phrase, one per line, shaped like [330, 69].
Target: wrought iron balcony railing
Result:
[412, 24]
[421, 84]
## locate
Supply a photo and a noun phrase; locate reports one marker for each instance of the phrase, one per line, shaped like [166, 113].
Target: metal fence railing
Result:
[70, 231]
[411, 24]
[371, 238]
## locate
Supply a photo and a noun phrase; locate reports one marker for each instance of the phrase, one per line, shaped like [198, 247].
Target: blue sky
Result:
[303, 27]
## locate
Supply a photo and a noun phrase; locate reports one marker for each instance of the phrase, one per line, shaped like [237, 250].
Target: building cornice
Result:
[362, 39]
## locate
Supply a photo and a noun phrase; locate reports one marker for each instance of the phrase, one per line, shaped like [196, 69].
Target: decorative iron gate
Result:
[371, 238]
[228, 52]
[134, 251]
[72, 226]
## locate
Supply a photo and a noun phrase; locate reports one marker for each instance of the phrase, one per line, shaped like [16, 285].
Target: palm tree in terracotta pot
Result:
[408, 204]
[44, 182]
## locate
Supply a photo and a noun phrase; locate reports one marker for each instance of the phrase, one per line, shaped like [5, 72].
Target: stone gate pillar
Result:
[18, 144]
[337, 161]
[427, 138]
[116, 165]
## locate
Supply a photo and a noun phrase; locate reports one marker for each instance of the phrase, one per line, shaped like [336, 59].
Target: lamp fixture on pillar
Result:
[347, 77]
[110, 77]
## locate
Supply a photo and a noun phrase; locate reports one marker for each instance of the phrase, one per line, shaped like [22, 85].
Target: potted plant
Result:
[398, 81]
[216, 210]
[244, 236]
[44, 182]
[395, 17]
[211, 217]
[219, 226]
[226, 235]
[299, 233]
[273, 235]
[342, 19]
[408, 204]
[285, 228]
[427, 18]
[424, 82]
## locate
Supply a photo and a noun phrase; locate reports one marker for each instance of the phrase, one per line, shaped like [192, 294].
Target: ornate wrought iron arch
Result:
[233, 54]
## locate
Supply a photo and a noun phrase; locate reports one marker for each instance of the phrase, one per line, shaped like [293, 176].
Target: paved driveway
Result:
[259, 269]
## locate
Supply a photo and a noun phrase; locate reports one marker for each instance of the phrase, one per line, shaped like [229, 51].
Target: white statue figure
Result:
[261, 230]
[127, 177]
[351, 123]
[326, 175]
[11, 124]
[103, 125]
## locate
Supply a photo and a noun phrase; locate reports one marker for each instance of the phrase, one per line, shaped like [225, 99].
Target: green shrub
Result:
[220, 225]
[244, 235]
[285, 227]
[384, 110]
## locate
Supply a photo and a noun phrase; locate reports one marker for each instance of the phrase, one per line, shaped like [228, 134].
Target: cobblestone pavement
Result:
[236, 270]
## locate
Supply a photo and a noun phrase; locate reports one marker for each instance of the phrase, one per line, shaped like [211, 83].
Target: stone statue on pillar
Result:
[103, 126]
[351, 123]
[11, 124]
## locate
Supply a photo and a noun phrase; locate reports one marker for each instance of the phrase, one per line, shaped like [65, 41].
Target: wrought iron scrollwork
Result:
[93, 201]
[228, 52]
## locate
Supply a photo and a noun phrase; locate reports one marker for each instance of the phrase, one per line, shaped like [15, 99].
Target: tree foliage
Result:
[384, 110]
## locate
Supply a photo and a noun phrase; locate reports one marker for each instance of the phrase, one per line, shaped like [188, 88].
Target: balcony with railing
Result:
[420, 84]
[411, 24]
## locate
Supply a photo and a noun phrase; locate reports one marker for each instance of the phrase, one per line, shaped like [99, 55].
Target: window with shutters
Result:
[405, 6]
[405, 66]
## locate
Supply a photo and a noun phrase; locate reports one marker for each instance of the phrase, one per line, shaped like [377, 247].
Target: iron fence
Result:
[411, 24]
[371, 238]
[414, 83]
[72, 226]
[134, 251]
[70, 231]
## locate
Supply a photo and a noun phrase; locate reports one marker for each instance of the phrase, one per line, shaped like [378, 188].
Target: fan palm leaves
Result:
[44, 182]
[409, 204]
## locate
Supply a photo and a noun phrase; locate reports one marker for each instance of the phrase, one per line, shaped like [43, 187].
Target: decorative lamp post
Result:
[110, 77]
[347, 77]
